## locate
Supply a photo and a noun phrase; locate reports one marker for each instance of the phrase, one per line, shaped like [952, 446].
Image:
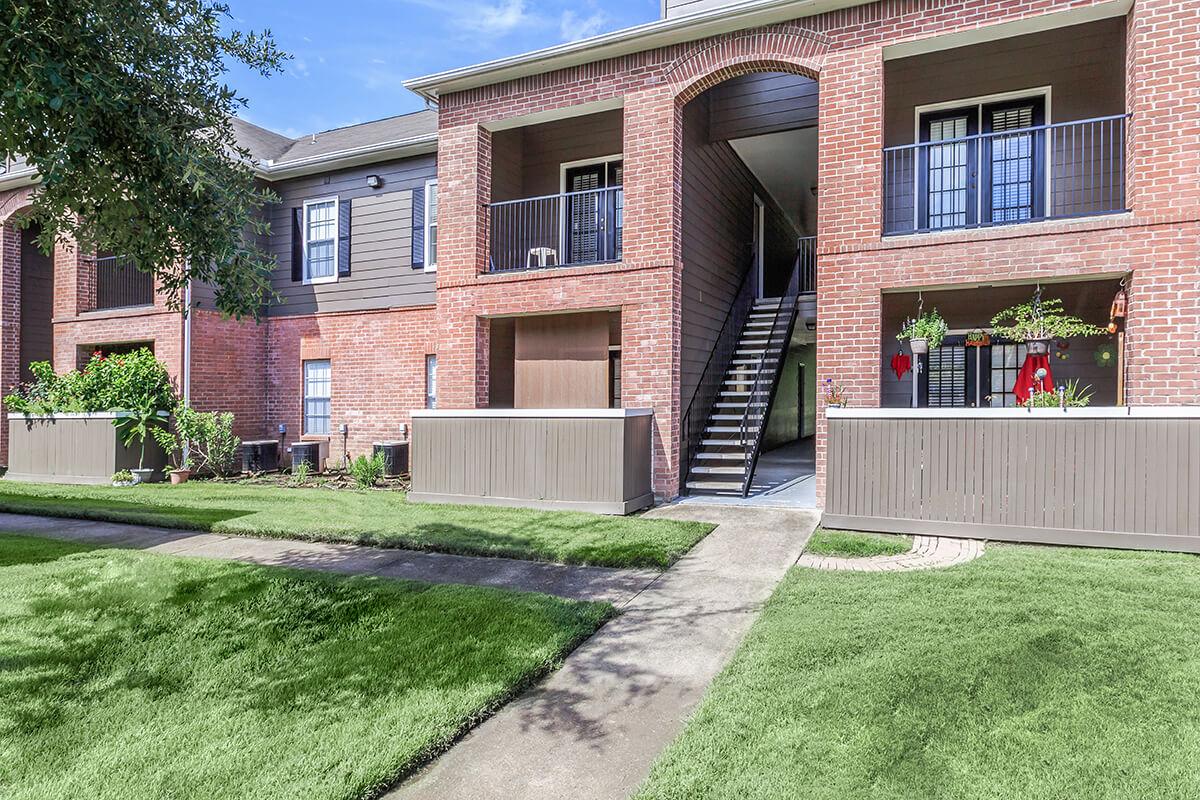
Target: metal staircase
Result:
[724, 424]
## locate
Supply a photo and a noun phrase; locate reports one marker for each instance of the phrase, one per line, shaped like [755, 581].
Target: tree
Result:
[120, 105]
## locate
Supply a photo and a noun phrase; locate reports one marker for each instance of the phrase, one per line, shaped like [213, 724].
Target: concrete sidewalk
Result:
[592, 729]
[616, 586]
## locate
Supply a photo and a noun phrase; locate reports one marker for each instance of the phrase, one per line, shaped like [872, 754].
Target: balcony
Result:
[561, 230]
[120, 284]
[1026, 174]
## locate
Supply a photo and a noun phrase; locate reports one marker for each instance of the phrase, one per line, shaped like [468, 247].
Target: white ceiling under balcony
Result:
[786, 165]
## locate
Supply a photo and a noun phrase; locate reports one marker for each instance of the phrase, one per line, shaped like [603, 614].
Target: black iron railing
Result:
[806, 264]
[764, 380]
[120, 284]
[1058, 171]
[695, 416]
[557, 230]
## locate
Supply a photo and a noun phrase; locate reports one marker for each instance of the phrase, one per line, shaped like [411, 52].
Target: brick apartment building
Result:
[612, 223]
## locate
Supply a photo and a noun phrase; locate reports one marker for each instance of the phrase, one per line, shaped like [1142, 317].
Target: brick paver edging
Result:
[928, 552]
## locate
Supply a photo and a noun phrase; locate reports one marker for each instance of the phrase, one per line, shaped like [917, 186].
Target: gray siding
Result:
[718, 213]
[759, 103]
[381, 272]
[527, 162]
[1121, 481]
[1083, 64]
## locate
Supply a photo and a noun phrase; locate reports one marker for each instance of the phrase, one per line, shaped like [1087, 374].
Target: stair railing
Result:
[695, 417]
[766, 379]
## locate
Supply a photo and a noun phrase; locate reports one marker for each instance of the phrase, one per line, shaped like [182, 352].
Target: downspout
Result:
[187, 357]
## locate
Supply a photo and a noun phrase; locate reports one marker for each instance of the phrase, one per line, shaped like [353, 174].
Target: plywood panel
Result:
[561, 361]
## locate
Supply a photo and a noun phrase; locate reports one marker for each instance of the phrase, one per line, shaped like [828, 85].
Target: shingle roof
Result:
[268, 146]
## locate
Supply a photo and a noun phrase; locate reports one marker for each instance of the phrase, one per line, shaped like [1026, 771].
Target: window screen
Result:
[320, 240]
[317, 394]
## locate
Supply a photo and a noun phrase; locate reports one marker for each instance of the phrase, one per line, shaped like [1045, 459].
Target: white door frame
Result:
[760, 241]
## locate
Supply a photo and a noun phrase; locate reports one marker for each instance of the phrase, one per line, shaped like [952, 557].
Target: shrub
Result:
[1069, 395]
[367, 470]
[207, 437]
[123, 382]
[122, 476]
[301, 471]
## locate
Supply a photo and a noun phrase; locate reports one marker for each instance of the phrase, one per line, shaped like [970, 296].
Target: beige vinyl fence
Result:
[72, 448]
[589, 459]
[1113, 477]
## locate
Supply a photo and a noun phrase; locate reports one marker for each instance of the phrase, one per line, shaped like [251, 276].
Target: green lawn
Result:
[379, 518]
[1029, 673]
[129, 675]
[851, 544]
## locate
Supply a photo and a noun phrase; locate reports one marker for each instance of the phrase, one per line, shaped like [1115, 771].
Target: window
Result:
[1006, 364]
[320, 240]
[317, 396]
[594, 210]
[431, 381]
[431, 225]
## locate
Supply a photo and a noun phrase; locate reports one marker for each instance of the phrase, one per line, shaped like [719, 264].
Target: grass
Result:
[131, 675]
[851, 544]
[378, 518]
[1029, 673]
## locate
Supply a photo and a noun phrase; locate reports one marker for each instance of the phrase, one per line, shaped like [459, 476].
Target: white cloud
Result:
[485, 19]
[573, 27]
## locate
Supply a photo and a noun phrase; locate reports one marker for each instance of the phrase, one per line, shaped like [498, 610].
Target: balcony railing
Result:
[806, 264]
[558, 230]
[1058, 171]
[120, 284]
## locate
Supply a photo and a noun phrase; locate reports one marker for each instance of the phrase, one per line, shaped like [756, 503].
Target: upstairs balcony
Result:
[1014, 130]
[120, 284]
[560, 230]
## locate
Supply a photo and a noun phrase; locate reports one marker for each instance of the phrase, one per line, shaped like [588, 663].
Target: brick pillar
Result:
[848, 304]
[651, 329]
[464, 189]
[10, 322]
[1163, 175]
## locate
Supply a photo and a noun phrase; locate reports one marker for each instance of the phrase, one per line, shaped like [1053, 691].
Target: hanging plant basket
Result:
[919, 347]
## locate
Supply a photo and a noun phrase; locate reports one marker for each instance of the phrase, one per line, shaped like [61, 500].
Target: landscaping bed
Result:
[854, 544]
[378, 517]
[1030, 673]
[131, 675]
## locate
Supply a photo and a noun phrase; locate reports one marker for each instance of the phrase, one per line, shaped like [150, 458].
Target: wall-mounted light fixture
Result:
[812, 325]
[374, 181]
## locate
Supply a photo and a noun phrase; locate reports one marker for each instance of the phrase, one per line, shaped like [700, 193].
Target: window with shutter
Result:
[431, 225]
[321, 240]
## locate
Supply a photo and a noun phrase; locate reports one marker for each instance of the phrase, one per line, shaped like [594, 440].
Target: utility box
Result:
[395, 457]
[260, 456]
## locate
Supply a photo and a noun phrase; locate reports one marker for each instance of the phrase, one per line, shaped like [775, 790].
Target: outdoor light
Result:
[403, 432]
[374, 181]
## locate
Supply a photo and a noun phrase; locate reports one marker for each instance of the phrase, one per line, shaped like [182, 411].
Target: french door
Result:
[982, 164]
[958, 376]
[594, 218]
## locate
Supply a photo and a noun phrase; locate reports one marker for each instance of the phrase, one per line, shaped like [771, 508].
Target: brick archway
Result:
[780, 48]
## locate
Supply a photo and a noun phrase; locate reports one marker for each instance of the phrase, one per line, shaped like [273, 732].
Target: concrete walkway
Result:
[593, 728]
[928, 552]
[616, 586]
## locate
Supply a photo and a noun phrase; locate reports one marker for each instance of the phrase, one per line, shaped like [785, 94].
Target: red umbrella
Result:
[1027, 378]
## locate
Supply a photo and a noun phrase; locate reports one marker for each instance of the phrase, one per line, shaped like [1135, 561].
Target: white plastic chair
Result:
[543, 256]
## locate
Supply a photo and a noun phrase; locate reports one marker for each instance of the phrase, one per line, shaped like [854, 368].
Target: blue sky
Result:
[350, 56]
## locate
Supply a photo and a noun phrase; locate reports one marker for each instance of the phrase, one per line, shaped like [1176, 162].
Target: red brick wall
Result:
[229, 371]
[377, 361]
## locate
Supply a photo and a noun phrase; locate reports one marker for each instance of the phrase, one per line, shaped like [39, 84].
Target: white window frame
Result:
[307, 280]
[430, 191]
[562, 191]
[1045, 92]
[304, 396]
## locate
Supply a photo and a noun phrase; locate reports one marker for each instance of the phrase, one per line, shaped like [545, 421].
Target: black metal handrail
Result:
[557, 230]
[120, 284]
[766, 378]
[1054, 171]
[695, 417]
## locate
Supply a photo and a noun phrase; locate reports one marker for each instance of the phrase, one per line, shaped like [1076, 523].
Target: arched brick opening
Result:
[784, 48]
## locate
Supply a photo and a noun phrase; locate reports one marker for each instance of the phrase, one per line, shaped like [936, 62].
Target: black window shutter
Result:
[297, 244]
[418, 228]
[343, 238]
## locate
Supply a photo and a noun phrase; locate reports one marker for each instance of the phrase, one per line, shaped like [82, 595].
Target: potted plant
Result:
[1039, 322]
[123, 478]
[834, 394]
[1069, 395]
[135, 426]
[925, 332]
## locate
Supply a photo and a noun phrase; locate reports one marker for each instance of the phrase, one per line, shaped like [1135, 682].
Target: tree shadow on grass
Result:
[16, 550]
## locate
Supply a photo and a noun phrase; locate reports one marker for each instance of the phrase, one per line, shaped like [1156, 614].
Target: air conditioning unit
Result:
[261, 456]
[395, 457]
[314, 453]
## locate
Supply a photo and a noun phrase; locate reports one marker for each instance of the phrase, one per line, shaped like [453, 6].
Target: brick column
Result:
[848, 302]
[464, 189]
[651, 330]
[1163, 175]
[10, 322]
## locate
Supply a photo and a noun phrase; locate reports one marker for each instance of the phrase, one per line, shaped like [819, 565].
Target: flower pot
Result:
[142, 475]
[123, 484]
[179, 476]
[919, 346]
[1037, 347]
